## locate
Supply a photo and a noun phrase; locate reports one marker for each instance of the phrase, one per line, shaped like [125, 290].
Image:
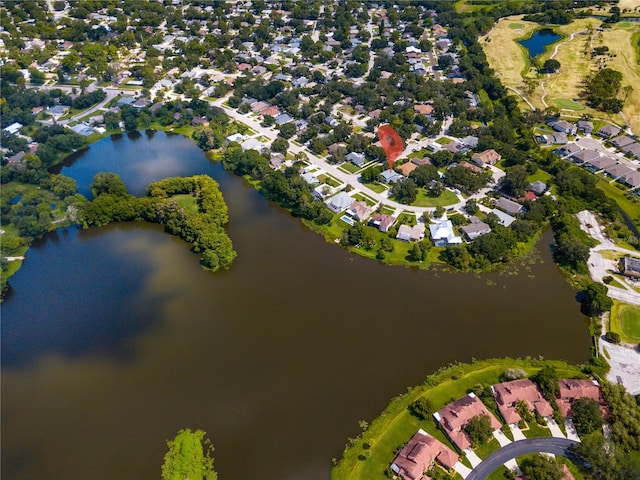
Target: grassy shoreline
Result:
[369, 455]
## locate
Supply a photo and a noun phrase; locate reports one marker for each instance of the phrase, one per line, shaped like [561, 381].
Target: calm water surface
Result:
[539, 40]
[115, 338]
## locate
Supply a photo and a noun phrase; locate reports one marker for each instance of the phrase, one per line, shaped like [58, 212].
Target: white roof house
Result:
[442, 233]
[505, 218]
[236, 137]
[13, 128]
[339, 202]
[253, 144]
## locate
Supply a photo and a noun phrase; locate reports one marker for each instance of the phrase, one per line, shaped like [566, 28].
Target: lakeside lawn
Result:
[630, 206]
[624, 319]
[370, 455]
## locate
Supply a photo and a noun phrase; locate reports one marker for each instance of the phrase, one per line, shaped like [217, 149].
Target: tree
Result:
[280, 145]
[612, 337]
[515, 181]
[421, 408]
[107, 183]
[405, 191]
[189, 457]
[479, 429]
[587, 416]
[550, 66]
[288, 130]
[547, 380]
[539, 467]
[596, 299]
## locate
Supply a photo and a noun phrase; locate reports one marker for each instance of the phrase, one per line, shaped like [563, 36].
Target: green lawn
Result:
[536, 430]
[443, 141]
[567, 104]
[486, 449]
[516, 26]
[624, 319]
[630, 206]
[349, 167]
[630, 321]
[396, 425]
[541, 176]
[376, 187]
[447, 198]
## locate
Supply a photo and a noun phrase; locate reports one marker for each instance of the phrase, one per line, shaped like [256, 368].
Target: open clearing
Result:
[630, 321]
[511, 63]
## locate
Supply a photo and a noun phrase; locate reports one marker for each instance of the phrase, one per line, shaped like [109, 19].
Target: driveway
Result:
[462, 469]
[516, 432]
[474, 459]
[572, 434]
[554, 428]
[503, 440]
[556, 446]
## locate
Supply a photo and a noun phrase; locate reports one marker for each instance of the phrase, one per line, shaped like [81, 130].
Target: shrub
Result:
[612, 337]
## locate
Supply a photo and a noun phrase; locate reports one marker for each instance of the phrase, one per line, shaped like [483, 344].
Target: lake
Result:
[115, 338]
[539, 40]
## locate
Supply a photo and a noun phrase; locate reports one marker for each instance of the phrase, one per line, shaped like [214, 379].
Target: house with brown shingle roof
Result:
[455, 416]
[488, 157]
[423, 109]
[573, 389]
[509, 394]
[407, 168]
[359, 210]
[420, 452]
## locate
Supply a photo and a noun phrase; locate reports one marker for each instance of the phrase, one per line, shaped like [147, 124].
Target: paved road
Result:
[557, 446]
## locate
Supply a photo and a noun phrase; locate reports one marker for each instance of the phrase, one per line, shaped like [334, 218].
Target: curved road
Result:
[555, 445]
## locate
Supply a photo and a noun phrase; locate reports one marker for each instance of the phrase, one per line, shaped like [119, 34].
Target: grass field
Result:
[447, 198]
[624, 319]
[630, 206]
[630, 321]
[510, 61]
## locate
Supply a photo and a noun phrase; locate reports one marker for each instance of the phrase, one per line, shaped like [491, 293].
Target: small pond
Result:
[539, 40]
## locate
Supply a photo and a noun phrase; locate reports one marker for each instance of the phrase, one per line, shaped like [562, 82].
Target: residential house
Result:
[509, 394]
[631, 267]
[617, 171]
[600, 163]
[339, 202]
[573, 389]
[442, 233]
[357, 159]
[271, 111]
[59, 110]
[323, 191]
[257, 107]
[470, 141]
[407, 168]
[253, 144]
[301, 125]
[475, 229]
[585, 126]
[236, 137]
[82, 129]
[421, 161]
[567, 149]
[504, 218]
[488, 157]
[382, 222]
[16, 159]
[310, 177]
[608, 131]
[423, 109]
[411, 234]
[584, 156]
[508, 206]
[417, 456]
[390, 176]
[195, 121]
[538, 187]
[631, 179]
[563, 127]
[622, 141]
[282, 119]
[556, 138]
[300, 82]
[359, 211]
[141, 103]
[332, 122]
[14, 128]
[633, 149]
[456, 415]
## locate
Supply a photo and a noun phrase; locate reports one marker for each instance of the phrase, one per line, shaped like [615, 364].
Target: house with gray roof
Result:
[585, 126]
[618, 170]
[633, 149]
[631, 179]
[475, 230]
[390, 176]
[564, 127]
[283, 118]
[585, 156]
[567, 149]
[356, 158]
[599, 163]
[508, 206]
[411, 234]
[504, 218]
[622, 141]
[538, 187]
[608, 131]
[631, 267]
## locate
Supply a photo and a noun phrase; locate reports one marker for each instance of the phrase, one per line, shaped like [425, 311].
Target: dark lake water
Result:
[539, 40]
[115, 338]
